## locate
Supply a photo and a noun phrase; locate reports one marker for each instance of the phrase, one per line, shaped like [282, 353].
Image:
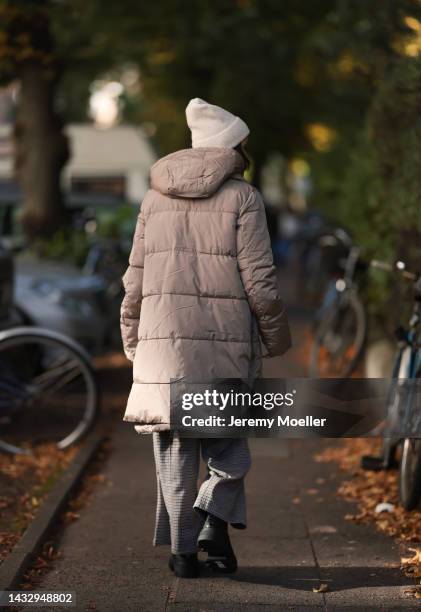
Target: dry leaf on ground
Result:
[371, 489]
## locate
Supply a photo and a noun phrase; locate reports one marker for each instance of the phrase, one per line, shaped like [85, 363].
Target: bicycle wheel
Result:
[339, 338]
[410, 474]
[397, 399]
[388, 429]
[47, 389]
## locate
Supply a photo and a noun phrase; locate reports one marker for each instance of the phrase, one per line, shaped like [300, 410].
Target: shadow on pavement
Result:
[337, 578]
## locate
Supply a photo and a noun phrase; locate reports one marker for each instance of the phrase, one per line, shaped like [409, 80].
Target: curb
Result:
[15, 564]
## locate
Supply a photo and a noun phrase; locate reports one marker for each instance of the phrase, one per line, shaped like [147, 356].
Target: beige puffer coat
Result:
[201, 285]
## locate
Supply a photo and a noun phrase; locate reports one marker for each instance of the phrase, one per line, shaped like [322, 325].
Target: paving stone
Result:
[287, 550]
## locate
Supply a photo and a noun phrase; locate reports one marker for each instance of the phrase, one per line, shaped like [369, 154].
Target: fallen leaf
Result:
[413, 592]
[323, 529]
[416, 558]
[323, 588]
[374, 490]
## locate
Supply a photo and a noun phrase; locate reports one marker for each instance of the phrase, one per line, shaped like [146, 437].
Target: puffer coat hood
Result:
[201, 293]
[195, 173]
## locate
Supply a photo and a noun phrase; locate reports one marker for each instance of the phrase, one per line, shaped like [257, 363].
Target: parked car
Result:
[81, 301]
[59, 297]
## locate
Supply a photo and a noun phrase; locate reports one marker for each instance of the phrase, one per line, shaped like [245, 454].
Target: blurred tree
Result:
[382, 184]
[395, 125]
[301, 73]
[361, 42]
[287, 68]
[27, 53]
[248, 56]
[43, 44]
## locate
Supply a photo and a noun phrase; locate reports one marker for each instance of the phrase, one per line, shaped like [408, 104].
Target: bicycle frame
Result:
[409, 349]
[413, 367]
[338, 287]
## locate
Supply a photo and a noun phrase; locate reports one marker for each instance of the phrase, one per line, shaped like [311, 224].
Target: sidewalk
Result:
[297, 538]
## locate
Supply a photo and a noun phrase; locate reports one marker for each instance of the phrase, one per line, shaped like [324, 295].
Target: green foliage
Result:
[378, 196]
[359, 204]
[280, 65]
[72, 245]
[24, 36]
[64, 245]
[117, 224]
[396, 132]
[380, 192]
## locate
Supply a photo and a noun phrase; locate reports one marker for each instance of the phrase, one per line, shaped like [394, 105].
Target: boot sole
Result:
[221, 565]
[179, 574]
[186, 574]
[217, 561]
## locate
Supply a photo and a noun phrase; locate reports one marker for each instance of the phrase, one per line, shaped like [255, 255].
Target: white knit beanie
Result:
[212, 126]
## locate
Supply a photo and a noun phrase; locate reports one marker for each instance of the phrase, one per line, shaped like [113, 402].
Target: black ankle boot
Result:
[184, 566]
[214, 539]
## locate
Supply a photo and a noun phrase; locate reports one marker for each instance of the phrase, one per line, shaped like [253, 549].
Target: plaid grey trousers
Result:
[181, 509]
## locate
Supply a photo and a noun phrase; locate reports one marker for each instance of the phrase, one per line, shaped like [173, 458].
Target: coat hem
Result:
[149, 429]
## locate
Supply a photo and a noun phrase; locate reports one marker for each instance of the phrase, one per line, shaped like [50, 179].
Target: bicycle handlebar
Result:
[399, 266]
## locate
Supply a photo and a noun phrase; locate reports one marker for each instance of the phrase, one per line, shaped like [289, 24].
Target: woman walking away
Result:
[201, 293]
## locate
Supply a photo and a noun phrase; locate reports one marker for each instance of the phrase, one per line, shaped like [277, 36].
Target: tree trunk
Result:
[41, 151]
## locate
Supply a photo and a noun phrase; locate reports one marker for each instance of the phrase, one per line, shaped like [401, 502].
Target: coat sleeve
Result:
[132, 282]
[258, 274]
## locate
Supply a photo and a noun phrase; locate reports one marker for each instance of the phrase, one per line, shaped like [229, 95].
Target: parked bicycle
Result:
[47, 389]
[403, 409]
[341, 321]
